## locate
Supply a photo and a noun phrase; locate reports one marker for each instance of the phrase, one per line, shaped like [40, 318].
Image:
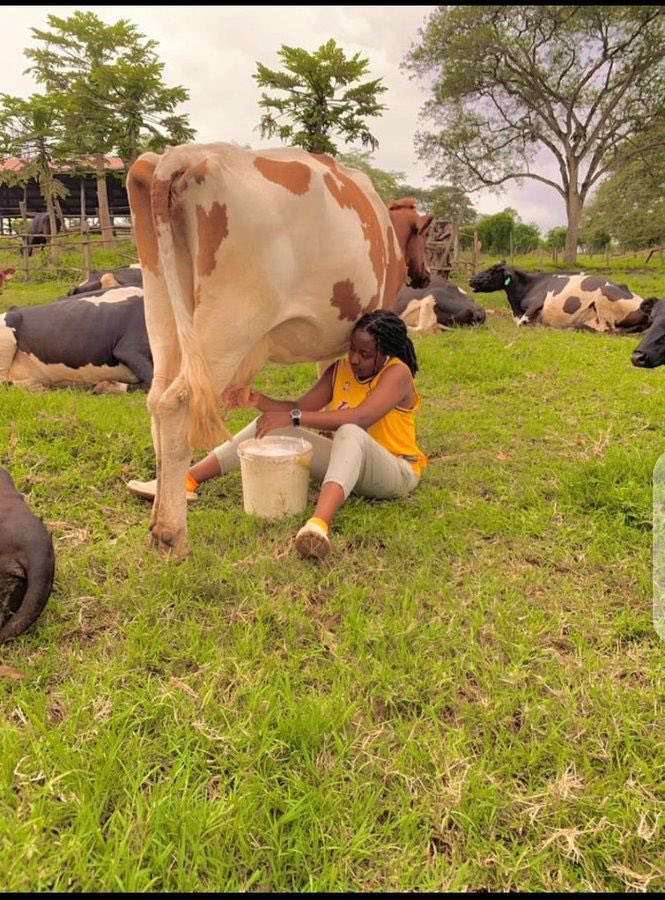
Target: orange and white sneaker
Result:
[148, 490]
[312, 541]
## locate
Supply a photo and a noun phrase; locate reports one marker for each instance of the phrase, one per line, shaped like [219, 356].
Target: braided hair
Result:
[391, 336]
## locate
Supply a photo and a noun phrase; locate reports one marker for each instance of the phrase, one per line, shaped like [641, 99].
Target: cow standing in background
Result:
[250, 256]
[40, 231]
[564, 300]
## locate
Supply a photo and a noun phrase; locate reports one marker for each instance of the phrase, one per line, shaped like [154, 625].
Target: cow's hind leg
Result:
[170, 415]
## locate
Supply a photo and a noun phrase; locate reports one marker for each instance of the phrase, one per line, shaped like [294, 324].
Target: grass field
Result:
[468, 695]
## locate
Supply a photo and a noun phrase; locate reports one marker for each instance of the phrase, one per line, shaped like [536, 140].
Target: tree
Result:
[108, 81]
[388, 185]
[33, 131]
[526, 237]
[555, 239]
[311, 83]
[445, 201]
[510, 81]
[494, 232]
[629, 205]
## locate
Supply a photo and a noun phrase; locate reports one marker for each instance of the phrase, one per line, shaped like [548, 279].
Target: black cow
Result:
[123, 276]
[564, 299]
[27, 562]
[650, 352]
[442, 305]
[40, 231]
[95, 339]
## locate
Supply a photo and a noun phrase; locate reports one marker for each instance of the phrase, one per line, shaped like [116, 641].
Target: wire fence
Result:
[58, 257]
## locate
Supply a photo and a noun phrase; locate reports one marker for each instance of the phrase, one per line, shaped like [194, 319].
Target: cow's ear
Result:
[9, 273]
[425, 223]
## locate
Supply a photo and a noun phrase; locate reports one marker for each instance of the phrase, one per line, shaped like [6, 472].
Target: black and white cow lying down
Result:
[441, 305]
[650, 352]
[98, 339]
[564, 300]
[27, 562]
[104, 279]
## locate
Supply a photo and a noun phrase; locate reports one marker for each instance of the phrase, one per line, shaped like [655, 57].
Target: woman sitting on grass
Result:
[371, 402]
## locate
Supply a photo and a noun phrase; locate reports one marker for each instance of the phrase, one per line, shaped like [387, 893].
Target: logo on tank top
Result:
[343, 405]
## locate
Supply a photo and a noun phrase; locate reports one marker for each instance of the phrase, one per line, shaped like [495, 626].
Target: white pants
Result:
[352, 459]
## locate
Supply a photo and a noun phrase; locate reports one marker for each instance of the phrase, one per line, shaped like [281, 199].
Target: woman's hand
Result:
[240, 398]
[269, 421]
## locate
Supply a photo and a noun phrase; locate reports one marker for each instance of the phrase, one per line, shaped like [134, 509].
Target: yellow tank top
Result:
[396, 431]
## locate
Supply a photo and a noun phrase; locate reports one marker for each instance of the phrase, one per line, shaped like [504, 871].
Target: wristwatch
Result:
[295, 418]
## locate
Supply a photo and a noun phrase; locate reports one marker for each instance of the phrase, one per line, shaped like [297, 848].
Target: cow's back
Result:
[582, 299]
[275, 252]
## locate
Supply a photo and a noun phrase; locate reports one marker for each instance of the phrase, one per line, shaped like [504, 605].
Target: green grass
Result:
[466, 696]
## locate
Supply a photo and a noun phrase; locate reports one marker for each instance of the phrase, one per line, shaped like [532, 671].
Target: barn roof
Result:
[112, 163]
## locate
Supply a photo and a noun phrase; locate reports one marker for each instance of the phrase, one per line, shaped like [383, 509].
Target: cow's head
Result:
[496, 278]
[650, 352]
[5, 275]
[411, 230]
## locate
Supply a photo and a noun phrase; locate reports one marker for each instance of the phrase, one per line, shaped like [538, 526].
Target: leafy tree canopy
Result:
[389, 185]
[555, 238]
[108, 81]
[504, 232]
[444, 201]
[511, 81]
[629, 206]
[325, 96]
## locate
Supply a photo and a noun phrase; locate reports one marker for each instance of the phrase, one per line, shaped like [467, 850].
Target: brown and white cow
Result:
[5, 275]
[564, 300]
[249, 256]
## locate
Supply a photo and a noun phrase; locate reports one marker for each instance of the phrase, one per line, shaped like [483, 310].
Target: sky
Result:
[212, 51]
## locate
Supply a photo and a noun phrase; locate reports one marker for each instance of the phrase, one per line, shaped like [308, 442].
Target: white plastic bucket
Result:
[275, 475]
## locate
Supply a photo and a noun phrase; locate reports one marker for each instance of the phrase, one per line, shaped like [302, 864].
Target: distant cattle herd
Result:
[96, 336]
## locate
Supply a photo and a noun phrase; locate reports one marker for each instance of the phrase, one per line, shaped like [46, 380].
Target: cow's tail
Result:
[195, 383]
[40, 572]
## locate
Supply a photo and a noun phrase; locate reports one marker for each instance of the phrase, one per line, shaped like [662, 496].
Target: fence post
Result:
[475, 252]
[86, 255]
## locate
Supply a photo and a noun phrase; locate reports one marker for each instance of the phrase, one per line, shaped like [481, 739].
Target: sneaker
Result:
[148, 489]
[312, 542]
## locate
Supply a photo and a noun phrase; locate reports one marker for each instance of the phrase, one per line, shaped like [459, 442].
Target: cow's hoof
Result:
[173, 545]
[110, 387]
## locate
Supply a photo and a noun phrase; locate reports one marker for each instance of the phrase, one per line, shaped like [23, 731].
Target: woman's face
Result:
[365, 357]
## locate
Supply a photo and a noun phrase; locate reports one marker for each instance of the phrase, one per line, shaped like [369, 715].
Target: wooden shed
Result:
[81, 188]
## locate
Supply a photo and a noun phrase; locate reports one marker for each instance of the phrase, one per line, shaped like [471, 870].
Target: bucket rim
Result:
[298, 446]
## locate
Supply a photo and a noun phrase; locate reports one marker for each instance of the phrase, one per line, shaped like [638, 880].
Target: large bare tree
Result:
[509, 82]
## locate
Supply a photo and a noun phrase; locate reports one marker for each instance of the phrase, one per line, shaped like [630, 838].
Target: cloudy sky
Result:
[213, 50]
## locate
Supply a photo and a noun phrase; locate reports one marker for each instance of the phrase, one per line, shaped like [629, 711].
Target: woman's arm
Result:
[395, 388]
[316, 397]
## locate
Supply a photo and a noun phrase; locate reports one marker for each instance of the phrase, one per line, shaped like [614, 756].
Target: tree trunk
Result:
[103, 204]
[50, 208]
[574, 210]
